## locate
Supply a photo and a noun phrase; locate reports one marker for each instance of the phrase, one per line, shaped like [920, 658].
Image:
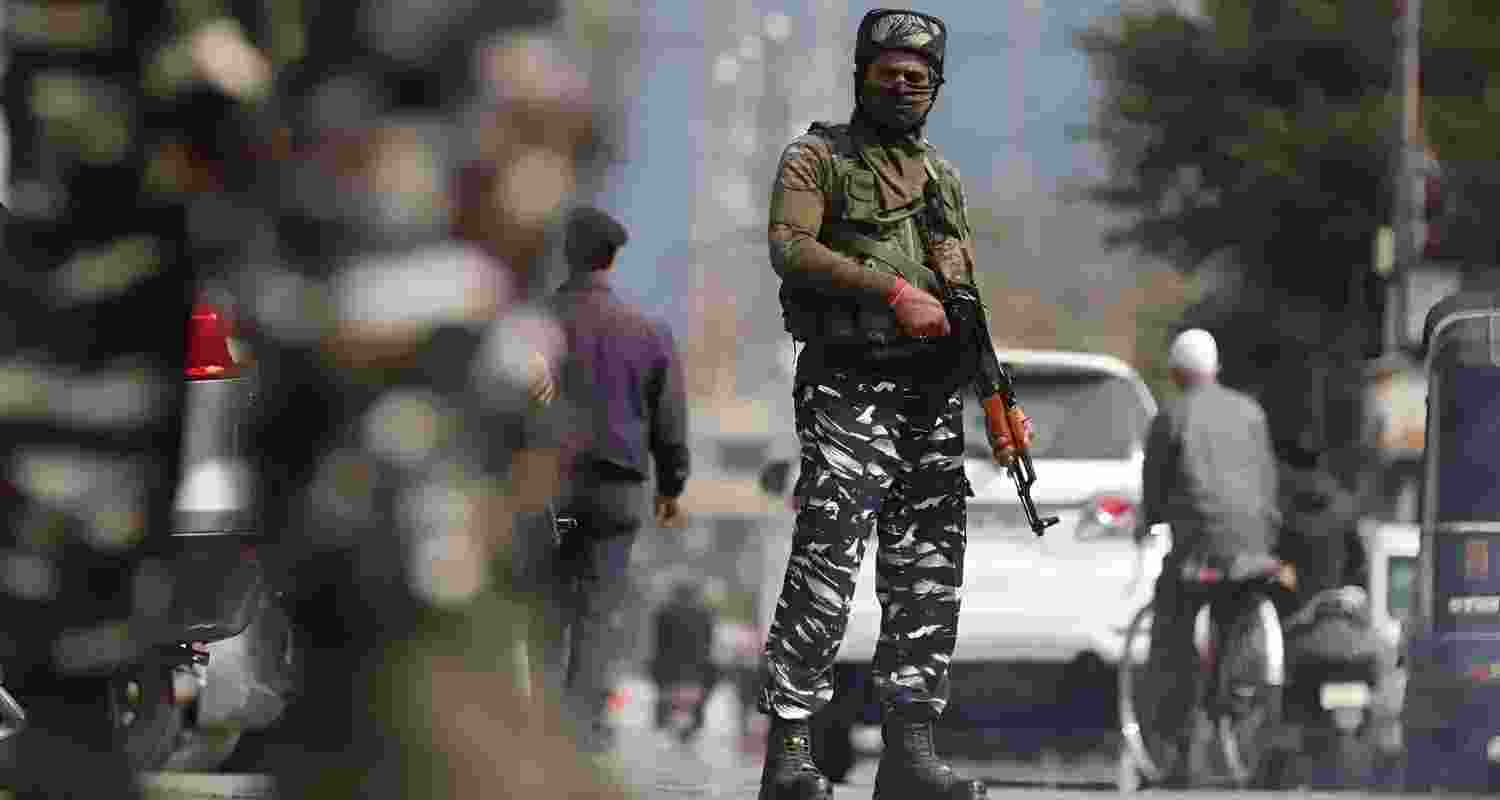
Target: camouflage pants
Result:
[874, 455]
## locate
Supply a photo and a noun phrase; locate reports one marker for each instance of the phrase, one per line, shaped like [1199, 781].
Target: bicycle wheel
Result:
[1251, 671]
[1137, 759]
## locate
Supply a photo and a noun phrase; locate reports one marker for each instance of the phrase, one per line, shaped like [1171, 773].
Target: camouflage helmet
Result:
[897, 29]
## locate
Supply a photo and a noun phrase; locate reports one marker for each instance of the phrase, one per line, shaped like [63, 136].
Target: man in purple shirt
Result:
[622, 406]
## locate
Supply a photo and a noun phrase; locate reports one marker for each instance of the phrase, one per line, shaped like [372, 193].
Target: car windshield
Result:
[1078, 414]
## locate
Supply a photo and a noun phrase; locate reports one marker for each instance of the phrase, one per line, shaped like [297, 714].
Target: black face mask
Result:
[898, 108]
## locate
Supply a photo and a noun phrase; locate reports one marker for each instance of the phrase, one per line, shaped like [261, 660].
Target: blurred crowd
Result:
[375, 192]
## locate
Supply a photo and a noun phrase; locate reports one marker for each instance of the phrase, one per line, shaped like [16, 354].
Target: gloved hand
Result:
[917, 312]
[1010, 430]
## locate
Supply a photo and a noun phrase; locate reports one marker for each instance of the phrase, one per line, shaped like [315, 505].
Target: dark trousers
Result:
[1173, 673]
[590, 581]
[664, 711]
[884, 458]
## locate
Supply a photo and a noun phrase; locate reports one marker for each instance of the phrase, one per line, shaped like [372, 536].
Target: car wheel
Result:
[1281, 770]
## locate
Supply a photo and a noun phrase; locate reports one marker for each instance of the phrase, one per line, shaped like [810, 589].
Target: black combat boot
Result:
[790, 773]
[910, 769]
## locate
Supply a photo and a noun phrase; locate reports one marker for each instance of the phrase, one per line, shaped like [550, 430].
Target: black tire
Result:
[1354, 761]
[1282, 770]
[833, 748]
[1250, 669]
[146, 721]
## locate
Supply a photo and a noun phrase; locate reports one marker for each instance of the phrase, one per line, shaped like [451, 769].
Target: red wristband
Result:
[895, 294]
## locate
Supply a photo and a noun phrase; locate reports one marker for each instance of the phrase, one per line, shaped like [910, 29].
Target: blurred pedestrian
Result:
[867, 226]
[1320, 526]
[1210, 473]
[103, 256]
[683, 650]
[624, 402]
[376, 475]
[395, 440]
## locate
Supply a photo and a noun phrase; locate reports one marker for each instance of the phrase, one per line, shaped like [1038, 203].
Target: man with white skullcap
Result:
[1194, 352]
[1210, 473]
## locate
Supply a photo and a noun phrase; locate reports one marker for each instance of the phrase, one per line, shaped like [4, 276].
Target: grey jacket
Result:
[1211, 475]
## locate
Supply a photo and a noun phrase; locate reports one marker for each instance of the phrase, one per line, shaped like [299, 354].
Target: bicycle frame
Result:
[1229, 701]
[1216, 698]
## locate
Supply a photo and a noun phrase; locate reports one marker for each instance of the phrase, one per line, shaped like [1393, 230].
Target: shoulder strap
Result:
[937, 176]
[866, 246]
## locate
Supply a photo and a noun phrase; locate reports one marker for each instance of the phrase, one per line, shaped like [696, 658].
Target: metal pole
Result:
[1410, 199]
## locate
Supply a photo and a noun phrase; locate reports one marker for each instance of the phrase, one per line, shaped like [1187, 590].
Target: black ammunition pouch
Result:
[812, 316]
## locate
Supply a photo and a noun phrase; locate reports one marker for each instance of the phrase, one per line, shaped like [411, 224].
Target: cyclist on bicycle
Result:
[1209, 473]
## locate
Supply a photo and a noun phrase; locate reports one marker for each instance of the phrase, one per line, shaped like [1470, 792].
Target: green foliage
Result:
[1157, 321]
[1261, 138]
[1263, 132]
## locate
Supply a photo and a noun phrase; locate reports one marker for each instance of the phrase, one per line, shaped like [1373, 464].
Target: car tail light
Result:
[1112, 511]
[1105, 517]
[208, 355]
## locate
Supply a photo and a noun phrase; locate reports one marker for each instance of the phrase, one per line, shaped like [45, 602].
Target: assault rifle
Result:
[996, 391]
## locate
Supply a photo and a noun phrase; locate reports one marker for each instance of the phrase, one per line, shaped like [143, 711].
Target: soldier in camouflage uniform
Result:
[867, 228]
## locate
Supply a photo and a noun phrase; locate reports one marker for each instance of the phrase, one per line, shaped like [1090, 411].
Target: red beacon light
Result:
[208, 355]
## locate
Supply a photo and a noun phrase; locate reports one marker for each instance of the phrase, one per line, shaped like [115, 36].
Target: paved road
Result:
[724, 766]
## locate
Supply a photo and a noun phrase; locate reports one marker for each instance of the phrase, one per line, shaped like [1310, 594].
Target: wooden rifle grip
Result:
[996, 406]
[1015, 422]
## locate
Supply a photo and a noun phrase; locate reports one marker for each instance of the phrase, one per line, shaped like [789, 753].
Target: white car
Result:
[1042, 617]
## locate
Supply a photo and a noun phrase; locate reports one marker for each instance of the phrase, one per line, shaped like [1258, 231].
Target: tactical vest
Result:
[890, 241]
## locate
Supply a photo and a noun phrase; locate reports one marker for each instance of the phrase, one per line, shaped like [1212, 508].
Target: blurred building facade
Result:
[767, 75]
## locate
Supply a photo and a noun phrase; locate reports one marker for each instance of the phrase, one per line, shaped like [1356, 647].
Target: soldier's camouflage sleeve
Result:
[798, 200]
[965, 230]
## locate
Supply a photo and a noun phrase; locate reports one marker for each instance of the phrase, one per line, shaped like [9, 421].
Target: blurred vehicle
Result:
[1344, 681]
[225, 662]
[1451, 706]
[1333, 664]
[1043, 619]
